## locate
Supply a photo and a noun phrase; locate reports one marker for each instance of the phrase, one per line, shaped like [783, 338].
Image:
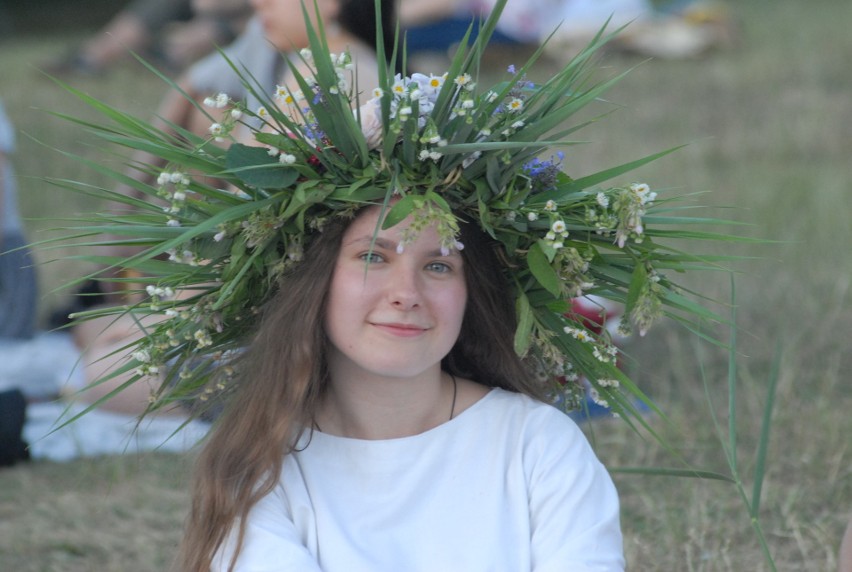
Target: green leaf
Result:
[525, 324]
[542, 270]
[637, 282]
[672, 472]
[400, 211]
[255, 167]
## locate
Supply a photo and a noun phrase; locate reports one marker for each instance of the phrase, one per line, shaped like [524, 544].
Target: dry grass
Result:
[769, 134]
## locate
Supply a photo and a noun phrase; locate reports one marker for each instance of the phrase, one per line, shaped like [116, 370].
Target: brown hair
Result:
[282, 377]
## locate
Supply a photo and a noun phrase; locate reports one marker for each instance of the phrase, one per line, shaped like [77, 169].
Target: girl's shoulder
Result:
[512, 408]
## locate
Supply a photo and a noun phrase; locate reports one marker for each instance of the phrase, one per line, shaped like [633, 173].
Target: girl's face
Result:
[284, 23]
[391, 314]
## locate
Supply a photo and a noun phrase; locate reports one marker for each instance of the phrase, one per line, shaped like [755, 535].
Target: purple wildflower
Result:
[543, 174]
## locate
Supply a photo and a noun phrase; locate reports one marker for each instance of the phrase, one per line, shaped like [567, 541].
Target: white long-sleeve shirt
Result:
[510, 484]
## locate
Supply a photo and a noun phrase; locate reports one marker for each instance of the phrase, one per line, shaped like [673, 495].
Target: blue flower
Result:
[543, 174]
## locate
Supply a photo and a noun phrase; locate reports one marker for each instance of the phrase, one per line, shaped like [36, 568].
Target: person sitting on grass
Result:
[377, 297]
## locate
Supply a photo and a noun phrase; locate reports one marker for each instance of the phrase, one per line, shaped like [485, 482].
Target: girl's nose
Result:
[404, 288]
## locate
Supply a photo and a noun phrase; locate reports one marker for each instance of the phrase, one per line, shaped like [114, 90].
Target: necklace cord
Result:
[455, 393]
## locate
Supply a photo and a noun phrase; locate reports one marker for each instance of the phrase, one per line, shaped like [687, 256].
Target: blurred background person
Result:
[172, 33]
[18, 291]
[679, 29]
[17, 300]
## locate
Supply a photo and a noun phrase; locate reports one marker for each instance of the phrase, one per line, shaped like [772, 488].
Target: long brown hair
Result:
[282, 378]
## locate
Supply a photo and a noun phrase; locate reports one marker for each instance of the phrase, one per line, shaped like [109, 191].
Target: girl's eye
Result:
[439, 267]
[372, 257]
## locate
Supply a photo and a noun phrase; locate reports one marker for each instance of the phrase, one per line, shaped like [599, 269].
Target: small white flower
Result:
[578, 334]
[532, 216]
[463, 80]
[142, 356]
[179, 196]
[518, 124]
[558, 226]
[550, 206]
[222, 100]
[219, 236]
[515, 105]
[295, 252]
[173, 222]
[435, 82]
[602, 200]
[202, 338]
[236, 114]
[287, 159]
[377, 92]
[163, 178]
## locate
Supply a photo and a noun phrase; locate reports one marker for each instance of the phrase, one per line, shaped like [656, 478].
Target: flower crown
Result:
[442, 148]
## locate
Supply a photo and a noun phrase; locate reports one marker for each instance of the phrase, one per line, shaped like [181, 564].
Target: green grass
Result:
[768, 133]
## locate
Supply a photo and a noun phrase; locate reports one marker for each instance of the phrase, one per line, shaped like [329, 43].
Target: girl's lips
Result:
[401, 330]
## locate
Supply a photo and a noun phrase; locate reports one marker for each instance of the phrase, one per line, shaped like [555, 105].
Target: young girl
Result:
[387, 299]
[384, 422]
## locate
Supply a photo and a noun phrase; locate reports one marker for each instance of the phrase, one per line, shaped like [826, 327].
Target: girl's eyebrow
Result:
[376, 241]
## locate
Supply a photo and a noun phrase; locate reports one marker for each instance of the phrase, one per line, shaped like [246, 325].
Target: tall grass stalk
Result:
[731, 445]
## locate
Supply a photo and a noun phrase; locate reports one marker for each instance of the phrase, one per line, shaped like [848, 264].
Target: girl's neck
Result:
[372, 407]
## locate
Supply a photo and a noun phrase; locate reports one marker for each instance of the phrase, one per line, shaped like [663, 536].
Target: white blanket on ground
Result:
[40, 367]
[104, 433]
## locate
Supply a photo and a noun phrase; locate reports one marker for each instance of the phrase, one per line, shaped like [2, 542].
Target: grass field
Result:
[769, 133]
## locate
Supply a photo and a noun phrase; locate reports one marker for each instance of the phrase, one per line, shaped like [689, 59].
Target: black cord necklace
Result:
[455, 392]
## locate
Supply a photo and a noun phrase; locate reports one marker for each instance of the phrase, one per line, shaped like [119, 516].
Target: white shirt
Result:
[510, 484]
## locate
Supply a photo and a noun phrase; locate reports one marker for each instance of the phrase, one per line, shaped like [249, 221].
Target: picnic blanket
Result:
[40, 368]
